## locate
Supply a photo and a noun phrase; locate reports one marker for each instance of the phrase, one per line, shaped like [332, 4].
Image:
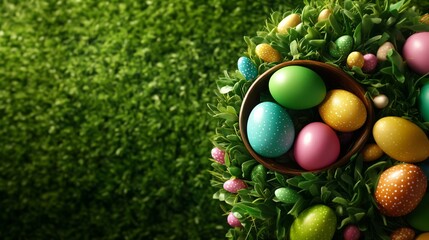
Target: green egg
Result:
[297, 87]
[419, 217]
[342, 47]
[286, 195]
[317, 222]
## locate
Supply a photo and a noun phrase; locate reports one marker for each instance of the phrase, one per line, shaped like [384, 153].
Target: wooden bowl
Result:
[334, 78]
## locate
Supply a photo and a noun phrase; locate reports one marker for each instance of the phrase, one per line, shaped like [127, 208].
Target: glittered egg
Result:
[419, 217]
[355, 59]
[290, 21]
[342, 47]
[270, 130]
[416, 52]
[400, 189]
[371, 152]
[370, 62]
[401, 139]
[343, 111]
[383, 50]
[317, 146]
[247, 68]
[297, 87]
[267, 53]
[316, 222]
[424, 102]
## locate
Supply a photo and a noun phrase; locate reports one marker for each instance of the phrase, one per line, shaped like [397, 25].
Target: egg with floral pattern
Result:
[400, 189]
[270, 130]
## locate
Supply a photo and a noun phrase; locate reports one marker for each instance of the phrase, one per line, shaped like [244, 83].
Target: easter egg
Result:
[400, 189]
[324, 15]
[423, 236]
[351, 232]
[247, 68]
[425, 18]
[316, 222]
[233, 220]
[270, 130]
[233, 185]
[416, 52]
[383, 50]
[297, 87]
[403, 233]
[371, 152]
[286, 195]
[267, 53]
[419, 218]
[355, 59]
[369, 62]
[401, 139]
[342, 47]
[343, 111]
[380, 101]
[218, 155]
[424, 102]
[289, 22]
[316, 146]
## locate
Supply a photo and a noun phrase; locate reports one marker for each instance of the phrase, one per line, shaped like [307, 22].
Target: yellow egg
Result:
[355, 59]
[401, 139]
[343, 111]
[289, 22]
[371, 152]
[324, 15]
[267, 53]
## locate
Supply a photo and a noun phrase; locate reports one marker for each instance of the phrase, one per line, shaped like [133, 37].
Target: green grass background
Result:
[104, 126]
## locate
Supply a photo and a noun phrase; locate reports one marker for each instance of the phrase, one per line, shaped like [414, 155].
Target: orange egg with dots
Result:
[403, 233]
[400, 189]
[267, 53]
[423, 236]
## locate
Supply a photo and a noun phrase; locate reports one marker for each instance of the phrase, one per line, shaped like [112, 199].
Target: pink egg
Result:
[369, 62]
[316, 147]
[218, 155]
[233, 221]
[416, 52]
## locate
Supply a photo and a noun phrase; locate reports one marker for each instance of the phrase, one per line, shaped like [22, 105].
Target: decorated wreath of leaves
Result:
[262, 209]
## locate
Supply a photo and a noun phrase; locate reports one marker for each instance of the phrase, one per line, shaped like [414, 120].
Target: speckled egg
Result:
[286, 195]
[403, 233]
[371, 152]
[342, 47]
[400, 189]
[383, 50]
[270, 130]
[401, 139]
[267, 53]
[247, 68]
[316, 222]
[355, 59]
[218, 155]
[233, 220]
[370, 62]
[343, 111]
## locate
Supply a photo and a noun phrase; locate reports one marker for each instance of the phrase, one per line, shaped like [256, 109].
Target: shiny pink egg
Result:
[317, 146]
[416, 52]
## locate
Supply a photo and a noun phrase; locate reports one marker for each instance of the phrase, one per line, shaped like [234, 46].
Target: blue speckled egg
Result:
[247, 68]
[270, 130]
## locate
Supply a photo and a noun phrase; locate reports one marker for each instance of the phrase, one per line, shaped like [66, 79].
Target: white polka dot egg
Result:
[400, 189]
[270, 130]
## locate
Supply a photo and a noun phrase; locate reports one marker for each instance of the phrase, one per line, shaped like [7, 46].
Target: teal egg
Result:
[247, 68]
[342, 47]
[297, 87]
[270, 130]
[424, 102]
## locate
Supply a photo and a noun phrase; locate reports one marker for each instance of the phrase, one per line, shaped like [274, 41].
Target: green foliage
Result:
[103, 119]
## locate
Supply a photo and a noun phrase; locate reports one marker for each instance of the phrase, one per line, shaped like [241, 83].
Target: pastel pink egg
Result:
[218, 155]
[317, 146]
[233, 221]
[416, 52]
